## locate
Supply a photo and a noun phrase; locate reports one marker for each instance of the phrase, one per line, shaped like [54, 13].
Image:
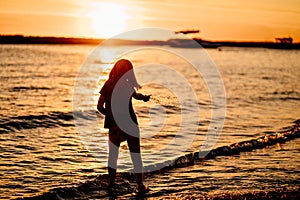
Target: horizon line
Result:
[102, 39]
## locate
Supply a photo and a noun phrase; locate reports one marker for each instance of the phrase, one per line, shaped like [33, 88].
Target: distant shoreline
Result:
[20, 39]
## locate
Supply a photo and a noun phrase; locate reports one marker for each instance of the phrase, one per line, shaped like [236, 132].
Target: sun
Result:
[108, 19]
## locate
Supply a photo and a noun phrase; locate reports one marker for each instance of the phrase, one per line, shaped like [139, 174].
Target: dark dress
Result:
[116, 134]
[107, 91]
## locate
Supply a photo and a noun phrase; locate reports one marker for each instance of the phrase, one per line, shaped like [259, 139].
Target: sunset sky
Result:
[251, 20]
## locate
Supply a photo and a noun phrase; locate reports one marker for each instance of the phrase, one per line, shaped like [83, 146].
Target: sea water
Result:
[41, 148]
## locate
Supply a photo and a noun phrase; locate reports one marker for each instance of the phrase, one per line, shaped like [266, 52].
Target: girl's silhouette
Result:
[115, 103]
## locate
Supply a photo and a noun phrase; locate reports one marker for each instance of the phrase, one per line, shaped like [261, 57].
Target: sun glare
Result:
[108, 19]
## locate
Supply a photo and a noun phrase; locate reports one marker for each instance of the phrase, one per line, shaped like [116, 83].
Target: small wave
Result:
[18, 89]
[267, 140]
[52, 119]
[99, 184]
[271, 99]
[59, 159]
[281, 96]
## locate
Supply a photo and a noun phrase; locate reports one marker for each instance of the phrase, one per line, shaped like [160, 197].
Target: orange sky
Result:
[258, 20]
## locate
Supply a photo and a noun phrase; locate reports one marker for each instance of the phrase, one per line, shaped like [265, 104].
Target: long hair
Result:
[123, 71]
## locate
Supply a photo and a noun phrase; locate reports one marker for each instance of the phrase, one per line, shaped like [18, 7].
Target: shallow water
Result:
[41, 148]
[266, 173]
[259, 170]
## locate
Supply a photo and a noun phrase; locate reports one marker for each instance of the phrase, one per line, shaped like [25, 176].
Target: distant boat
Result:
[207, 44]
[187, 31]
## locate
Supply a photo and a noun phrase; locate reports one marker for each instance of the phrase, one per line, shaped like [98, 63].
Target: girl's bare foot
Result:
[142, 188]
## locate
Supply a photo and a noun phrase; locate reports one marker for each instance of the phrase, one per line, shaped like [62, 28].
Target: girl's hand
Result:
[146, 98]
[100, 105]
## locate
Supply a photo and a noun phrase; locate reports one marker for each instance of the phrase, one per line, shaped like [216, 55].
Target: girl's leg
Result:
[113, 145]
[135, 154]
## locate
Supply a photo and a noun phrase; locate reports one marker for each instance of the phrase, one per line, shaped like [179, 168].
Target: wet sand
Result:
[276, 194]
[125, 189]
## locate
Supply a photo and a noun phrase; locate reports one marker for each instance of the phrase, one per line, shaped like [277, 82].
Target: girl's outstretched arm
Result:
[140, 96]
[100, 105]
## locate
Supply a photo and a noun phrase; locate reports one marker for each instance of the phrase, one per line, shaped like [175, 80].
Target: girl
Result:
[115, 103]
